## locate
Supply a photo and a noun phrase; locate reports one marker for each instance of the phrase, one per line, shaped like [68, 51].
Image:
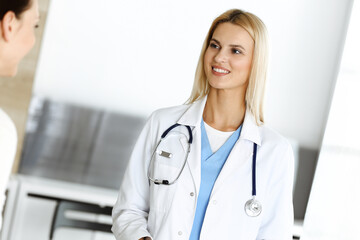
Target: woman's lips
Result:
[219, 71]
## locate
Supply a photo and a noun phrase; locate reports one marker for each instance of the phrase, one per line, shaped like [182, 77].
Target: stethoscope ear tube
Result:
[168, 130]
[174, 126]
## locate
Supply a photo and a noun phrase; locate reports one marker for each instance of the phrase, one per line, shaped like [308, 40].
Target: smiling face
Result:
[228, 58]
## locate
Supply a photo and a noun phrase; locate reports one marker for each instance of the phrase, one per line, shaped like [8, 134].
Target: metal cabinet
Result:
[32, 203]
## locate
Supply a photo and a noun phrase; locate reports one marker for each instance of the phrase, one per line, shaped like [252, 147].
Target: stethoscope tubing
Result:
[252, 207]
[174, 126]
[165, 181]
[254, 170]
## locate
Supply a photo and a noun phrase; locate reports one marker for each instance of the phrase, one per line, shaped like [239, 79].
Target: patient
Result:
[18, 18]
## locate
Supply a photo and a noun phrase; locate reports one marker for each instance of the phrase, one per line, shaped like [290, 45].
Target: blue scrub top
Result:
[211, 165]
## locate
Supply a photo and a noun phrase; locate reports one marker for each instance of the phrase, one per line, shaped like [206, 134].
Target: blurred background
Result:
[100, 68]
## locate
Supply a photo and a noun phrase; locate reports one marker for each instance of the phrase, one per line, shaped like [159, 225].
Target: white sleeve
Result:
[8, 143]
[132, 207]
[277, 223]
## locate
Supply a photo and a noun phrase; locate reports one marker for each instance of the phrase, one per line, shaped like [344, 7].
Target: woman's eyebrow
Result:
[237, 46]
[213, 39]
[231, 45]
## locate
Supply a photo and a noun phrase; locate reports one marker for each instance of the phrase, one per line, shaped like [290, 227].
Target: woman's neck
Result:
[224, 109]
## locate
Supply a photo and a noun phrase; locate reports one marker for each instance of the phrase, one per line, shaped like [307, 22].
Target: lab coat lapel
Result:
[192, 117]
[242, 151]
[250, 130]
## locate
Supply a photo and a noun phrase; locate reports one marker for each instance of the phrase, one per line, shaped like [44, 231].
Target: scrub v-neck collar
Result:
[225, 149]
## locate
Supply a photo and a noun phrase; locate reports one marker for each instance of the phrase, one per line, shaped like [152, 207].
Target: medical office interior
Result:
[100, 68]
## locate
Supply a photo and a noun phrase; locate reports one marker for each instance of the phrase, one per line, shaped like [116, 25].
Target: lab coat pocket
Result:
[161, 196]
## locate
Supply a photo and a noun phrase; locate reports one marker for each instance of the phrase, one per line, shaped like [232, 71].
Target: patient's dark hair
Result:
[16, 6]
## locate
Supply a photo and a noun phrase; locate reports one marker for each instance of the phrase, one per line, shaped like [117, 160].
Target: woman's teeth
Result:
[220, 70]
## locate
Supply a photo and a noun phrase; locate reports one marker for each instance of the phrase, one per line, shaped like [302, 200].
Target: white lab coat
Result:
[8, 142]
[167, 212]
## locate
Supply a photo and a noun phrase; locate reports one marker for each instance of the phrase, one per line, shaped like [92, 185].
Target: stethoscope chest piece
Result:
[253, 207]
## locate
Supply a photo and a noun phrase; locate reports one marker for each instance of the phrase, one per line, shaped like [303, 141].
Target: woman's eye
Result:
[213, 45]
[236, 51]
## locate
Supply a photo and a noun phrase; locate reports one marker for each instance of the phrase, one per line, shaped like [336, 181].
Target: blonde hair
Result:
[255, 92]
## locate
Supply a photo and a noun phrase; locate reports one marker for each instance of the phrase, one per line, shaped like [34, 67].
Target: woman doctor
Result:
[234, 179]
[18, 19]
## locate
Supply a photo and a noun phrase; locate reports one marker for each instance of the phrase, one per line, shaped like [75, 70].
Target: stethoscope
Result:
[252, 207]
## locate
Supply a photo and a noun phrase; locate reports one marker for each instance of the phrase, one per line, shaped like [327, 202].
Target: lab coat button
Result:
[192, 194]
[180, 233]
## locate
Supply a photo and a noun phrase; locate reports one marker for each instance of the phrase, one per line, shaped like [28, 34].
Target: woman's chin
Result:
[220, 86]
[217, 84]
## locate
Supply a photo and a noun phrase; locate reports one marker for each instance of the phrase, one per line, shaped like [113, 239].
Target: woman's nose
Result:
[220, 57]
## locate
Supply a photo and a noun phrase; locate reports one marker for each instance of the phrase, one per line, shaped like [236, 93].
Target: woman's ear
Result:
[8, 25]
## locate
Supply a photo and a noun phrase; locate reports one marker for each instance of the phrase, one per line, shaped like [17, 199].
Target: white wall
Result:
[137, 56]
[333, 210]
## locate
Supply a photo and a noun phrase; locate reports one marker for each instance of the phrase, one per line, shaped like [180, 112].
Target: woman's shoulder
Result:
[8, 135]
[7, 127]
[278, 149]
[177, 110]
[169, 114]
[163, 118]
[273, 138]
